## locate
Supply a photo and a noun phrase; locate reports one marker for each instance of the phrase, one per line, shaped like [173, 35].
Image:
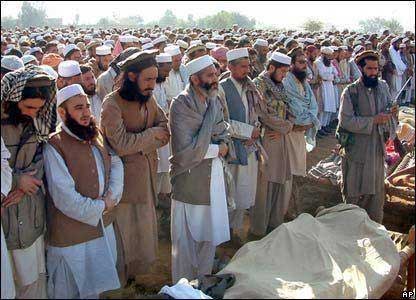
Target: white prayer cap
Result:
[358, 48]
[218, 38]
[72, 40]
[405, 40]
[301, 40]
[236, 54]
[23, 39]
[164, 58]
[59, 37]
[50, 71]
[327, 50]
[153, 35]
[12, 62]
[88, 37]
[334, 48]
[210, 45]
[281, 58]
[68, 92]
[196, 42]
[160, 39]
[261, 42]
[402, 45]
[68, 48]
[103, 50]
[345, 48]
[147, 46]
[395, 39]
[204, 38]
[35, 49]
[173, 50]
[182, 44]
[39, 38]
[280, 38]
[135, 39]
[126, 39]
[28, 58]
[61, 48]
[109, 43]
[69, 68]
[288, 40]
[310, 40]
[145, 40]
[199, 64]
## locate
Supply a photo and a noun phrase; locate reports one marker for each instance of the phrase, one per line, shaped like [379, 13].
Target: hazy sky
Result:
[343, 14]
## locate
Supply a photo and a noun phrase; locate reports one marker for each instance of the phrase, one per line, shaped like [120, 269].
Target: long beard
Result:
[209, 90]
[86, 133]
[15, 114]
[300, 75]
[326, 61]
[262, 58]
[370, 82]
[130, 92]
[89, 92]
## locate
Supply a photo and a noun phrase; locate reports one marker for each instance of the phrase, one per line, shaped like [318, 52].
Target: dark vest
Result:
[237, 112]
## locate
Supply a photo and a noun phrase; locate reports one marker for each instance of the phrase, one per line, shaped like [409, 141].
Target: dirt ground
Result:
[160, 274]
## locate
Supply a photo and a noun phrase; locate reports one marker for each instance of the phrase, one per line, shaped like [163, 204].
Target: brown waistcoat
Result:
[79, 158]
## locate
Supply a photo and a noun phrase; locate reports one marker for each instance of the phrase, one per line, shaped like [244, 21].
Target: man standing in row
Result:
[274, 178]
[240, 96]
[199, 205]
[135, 127]
[85, 182]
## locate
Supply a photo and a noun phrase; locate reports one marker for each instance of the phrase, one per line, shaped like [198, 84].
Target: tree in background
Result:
[378, 24]
[225, 19]
[32, 14]
[313, 25]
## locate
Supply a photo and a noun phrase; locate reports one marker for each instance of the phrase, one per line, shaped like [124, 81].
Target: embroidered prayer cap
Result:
[402, 45]
[12, 62]
[103, 50]
[28, 58]
[366, 54]
[68, 92]
[173, 50]
[219, 53]
[281, 58]
[93, 43]
[199, 64]
[182, 44]
[68, 48]
[195, 48]
[51, 72]
[69, 68]
[137, 58]
[164, 58]
[237, 53]
[261, 42]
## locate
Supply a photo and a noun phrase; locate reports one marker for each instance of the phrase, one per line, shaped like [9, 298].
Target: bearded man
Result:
[178, 77]
[363, 113]
[89, 86]
[135, 127]
[262, 48]
[85, 183]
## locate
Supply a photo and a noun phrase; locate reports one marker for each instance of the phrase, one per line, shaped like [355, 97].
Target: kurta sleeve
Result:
[348, 119]
[116, 183]
[61, 186]
[102, 86]
[127, 143]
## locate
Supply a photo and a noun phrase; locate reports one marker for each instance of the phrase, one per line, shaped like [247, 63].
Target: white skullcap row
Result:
[198, 64]
[69, 68]
[173, 50]
[281, 58]
[164, 58]
[68, 48]
[103, 50]
[236, 54]
[68, 92]
[261, 42]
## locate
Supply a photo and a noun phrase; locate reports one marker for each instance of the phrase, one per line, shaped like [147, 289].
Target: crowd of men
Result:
[101, 127]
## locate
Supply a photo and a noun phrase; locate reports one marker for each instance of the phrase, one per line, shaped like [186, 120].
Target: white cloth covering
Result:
[91, 265]
[176, 82]
[164, 152]
[183, 290]
[6, 171]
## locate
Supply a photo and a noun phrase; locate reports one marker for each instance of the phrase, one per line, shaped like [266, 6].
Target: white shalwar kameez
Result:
[196, 230]
[328, 93]
[87, 269]
[96, 104]
[399, 71]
